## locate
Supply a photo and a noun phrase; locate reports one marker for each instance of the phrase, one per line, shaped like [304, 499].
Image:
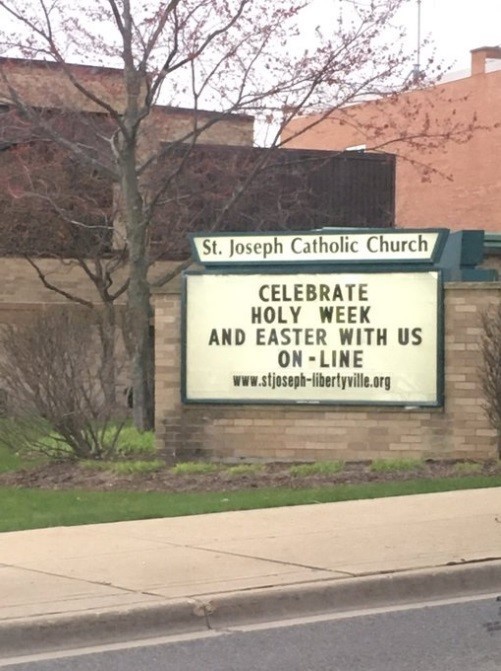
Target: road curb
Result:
[72, 630]
[352, 593]
[58, 632]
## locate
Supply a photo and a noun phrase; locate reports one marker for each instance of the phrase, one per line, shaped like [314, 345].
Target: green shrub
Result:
[54, 446]
[124, 467]
[194, 467]
[387, 465]
[243, 469]
[468, 468]
[131, 442]
[11, 460]
[61, 381]
[35, 437]
[317, 468]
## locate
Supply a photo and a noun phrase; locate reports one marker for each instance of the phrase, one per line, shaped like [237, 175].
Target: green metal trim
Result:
[184, 330]
[440, 341]
[492, 243]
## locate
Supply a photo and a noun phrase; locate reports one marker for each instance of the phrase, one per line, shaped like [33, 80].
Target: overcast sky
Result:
[456, 26]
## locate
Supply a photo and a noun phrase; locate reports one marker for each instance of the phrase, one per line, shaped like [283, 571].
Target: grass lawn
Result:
[10, 461]
[36, 508]
[24, 508]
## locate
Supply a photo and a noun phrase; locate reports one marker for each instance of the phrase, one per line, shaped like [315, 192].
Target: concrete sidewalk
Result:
[73, 585]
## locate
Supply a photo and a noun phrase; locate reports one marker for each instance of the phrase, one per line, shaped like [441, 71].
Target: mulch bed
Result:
[58, 476]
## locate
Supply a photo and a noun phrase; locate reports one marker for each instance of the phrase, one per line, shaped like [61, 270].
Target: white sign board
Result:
[312, 338]
[389, 246]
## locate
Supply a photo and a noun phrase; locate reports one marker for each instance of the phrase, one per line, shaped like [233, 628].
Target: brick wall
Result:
[458, 430]
[47, 85]
[19, 283]
[441, 179]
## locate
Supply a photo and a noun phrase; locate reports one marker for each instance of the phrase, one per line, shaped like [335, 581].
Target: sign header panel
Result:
[368, 338]
[341, 246]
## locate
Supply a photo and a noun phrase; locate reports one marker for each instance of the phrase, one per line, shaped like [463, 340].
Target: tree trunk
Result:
[139, 305]
[142, 358]
[108, 368]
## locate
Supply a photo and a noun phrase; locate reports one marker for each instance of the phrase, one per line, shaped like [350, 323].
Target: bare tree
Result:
[55, 209]
[54, 373]
[235, 56]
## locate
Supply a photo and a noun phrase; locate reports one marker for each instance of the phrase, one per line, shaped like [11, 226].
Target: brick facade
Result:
[19, 283]
[47, 85]
[459, 430]
[444, 178]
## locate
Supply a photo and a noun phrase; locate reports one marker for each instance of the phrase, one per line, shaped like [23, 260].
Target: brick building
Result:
[298, 190]
[44, 85]
[441, 180]
[29, 225]
[460, 430]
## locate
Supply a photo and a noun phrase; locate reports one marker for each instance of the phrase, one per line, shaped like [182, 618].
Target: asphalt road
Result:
[464, 635]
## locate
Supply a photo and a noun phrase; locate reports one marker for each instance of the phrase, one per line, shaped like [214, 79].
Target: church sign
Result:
[324, 246]
[259, 327]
